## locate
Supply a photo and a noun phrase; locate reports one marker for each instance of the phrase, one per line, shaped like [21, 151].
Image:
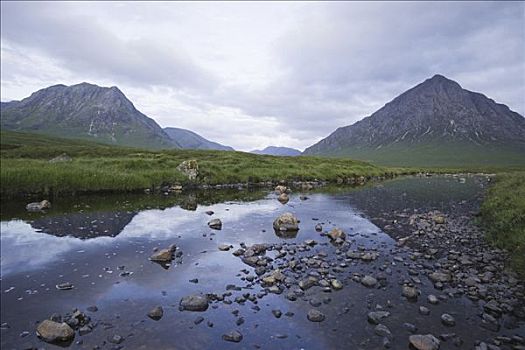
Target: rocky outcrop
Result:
[190, 168]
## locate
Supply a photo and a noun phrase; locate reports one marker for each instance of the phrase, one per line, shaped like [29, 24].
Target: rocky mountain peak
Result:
[434, 114]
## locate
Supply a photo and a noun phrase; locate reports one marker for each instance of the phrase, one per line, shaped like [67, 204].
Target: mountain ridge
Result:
[278, 151]
[85, 111]
[436, 112]
[188, 139]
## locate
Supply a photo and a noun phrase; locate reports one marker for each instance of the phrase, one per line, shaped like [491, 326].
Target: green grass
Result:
[439, 155]
[503, 216]
[25, 166]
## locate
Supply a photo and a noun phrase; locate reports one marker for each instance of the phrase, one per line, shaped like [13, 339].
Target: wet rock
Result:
[156, 313]
[92, 308]
[315, 315]
[336, 234]
[280, 189]
[198, 320]
[190, 168]
[51, 331]
[195, 302]
[410, 293]
[448, 320]
[375, 317]
[383, 331]
[336, 284]
[423, 310]
[424, 342]
[368, 281]
[233, 336]
[369, 256]
[277, 313]
[64, 286]
[283, 198]
[84, 330]
[215, 224]
[439, 219]
[318, 227]
[209, 212]
[224, 247]
[308, 282]
[440, 277]
[286, 222]
[162, 255]
[116, 339]
[432, 299]
[39, 206]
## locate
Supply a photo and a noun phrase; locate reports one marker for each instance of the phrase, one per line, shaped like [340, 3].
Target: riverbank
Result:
[30, 166]
[503, 216]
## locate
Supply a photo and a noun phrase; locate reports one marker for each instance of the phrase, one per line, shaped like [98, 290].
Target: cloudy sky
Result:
[255, 74]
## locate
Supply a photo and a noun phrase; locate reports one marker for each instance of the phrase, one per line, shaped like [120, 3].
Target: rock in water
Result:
[224, 247]
[233, 336]
[38, 206]
[286, 222]
[410, 293]
[190, 168]
[375, 317]
[368, 281]
[336, 233]
[163, 255]
[283, 198]
[215, 224]
[448, 320]
[195, 302]
[424, 342]
[318, 227]
[440, 277]
[156, 313]
[280, 189]
[315, 315]
[51, 331]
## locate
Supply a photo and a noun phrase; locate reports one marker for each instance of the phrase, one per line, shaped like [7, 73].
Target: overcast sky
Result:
[251, 75]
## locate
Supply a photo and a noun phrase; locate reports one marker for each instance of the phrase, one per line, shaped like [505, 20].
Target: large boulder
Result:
[51, 331]
[286, 222]
[195, 302]
[38, 206]
[190, 168]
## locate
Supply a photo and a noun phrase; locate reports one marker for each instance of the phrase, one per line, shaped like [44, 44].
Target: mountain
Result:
[436, 123]
[85, 111]
[190, 140]
[278, 151]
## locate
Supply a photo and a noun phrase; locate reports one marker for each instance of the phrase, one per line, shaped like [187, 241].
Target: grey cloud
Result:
[81, 43]
[333, 63]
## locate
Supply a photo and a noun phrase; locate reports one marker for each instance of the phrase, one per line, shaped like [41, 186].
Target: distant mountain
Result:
[190, 140]
[278, 151]
[436, 123]
[85, 111]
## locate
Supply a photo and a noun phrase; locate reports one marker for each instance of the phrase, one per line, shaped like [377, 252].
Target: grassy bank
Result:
[503, 216]
[25, 166]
